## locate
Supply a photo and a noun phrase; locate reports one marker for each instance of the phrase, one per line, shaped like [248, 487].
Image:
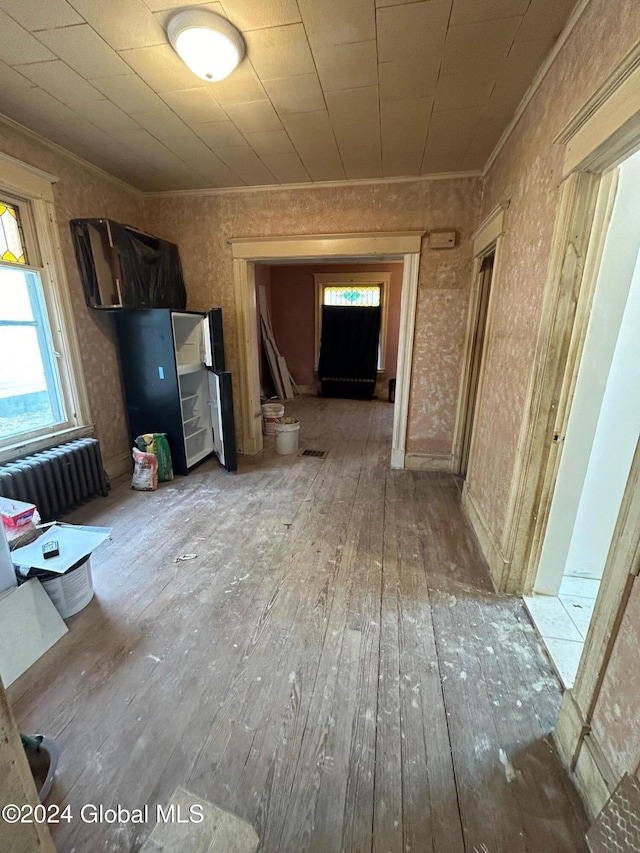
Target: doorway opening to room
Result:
[485, 276]
[251, 255]
[599, 443]
[299, 296]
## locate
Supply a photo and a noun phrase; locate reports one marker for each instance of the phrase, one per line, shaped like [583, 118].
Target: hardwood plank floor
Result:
[334, 667]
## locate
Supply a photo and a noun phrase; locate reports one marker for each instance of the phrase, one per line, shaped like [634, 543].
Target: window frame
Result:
[31, 190]
[364, 279]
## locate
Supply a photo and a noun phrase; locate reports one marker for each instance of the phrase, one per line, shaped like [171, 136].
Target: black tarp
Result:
[349, 342]
[149, 268]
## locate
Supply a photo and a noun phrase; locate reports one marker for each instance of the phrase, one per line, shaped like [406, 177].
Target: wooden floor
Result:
[334, 666]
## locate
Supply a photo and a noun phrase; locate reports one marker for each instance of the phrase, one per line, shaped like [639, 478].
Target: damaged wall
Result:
[527, 174]
[202, 224]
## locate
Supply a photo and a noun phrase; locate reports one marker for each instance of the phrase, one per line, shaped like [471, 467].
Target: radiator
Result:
[58, 479]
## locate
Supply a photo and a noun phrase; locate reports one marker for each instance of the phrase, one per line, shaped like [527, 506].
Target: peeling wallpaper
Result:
[527, 173]
[201, 225]
[84, 192]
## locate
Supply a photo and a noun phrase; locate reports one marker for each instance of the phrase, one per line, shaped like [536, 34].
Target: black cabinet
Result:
[121, 267]
[174, 380]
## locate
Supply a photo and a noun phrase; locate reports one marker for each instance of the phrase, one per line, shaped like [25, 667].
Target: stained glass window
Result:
[367, 296]
[11, 243]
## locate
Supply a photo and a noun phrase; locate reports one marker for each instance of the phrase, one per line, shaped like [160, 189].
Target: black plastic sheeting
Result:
[348, 364]
[150, 268]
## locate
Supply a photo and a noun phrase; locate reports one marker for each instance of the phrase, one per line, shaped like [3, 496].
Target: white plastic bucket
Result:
[71, 591]
[287, 432]
[270, 414]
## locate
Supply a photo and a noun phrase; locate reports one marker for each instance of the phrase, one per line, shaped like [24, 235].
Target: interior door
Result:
[222, 419]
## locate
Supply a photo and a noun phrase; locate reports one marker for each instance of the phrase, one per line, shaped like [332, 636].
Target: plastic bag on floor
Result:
[145, 471]
[157, 444]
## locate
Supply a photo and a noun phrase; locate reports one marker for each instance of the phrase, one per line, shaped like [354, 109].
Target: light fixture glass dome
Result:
[208, 44]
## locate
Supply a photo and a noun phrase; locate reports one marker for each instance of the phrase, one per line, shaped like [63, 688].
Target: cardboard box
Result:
[15, 514]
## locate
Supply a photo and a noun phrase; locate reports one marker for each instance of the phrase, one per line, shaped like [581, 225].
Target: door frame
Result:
[247, 251]
[486, 239]
[603, 133]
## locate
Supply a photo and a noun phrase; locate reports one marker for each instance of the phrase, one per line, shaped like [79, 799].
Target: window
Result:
[41, 395]
[353, 289]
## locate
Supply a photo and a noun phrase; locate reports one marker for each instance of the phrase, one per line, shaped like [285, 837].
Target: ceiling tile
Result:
[269, 142]
[84, 51]
[220, 134]
[446, 159]
[411, 77]
[17, 46]
[201, 158]
[286, 167]
[355, 117]
[41, 14]
[62, 82]
[474, 46]
[159, 5]
[337, 21]
[405, 123]
[194, 105]
[143, 144]
[107, 116]
[12, 80]
[241, 86]
[163, 17]
[279, 52]
[347, 66]
[313, 138]
[458, 91]
[472, 11]
[162, 123]
[122, 23]
[253, 116]
[129, 92]
[361, 163]
[160, 67]
[485, 139]
[396, 163]
[301, 94]
[515, 77]
[247, 165]
[249, 15]
[544, 19]
[414, 29]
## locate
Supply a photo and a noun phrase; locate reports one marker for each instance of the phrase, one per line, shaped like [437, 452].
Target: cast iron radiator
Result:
[58, 479]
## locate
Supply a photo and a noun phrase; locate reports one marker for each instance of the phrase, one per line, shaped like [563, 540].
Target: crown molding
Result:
[536, 83]
[59, 149]
[314, 185]
[614, 81]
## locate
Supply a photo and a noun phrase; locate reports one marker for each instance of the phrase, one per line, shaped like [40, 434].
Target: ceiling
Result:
[329, 89]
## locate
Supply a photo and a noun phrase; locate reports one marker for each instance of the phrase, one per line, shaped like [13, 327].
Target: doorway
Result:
[485, 275]
[349, 248]
[599, 444]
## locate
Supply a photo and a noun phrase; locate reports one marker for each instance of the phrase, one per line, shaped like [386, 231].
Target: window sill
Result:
[43, 442]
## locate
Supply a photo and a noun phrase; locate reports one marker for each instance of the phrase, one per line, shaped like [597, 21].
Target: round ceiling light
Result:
[208, 44]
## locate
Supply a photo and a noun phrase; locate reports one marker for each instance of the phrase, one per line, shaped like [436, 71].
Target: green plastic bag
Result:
[156, 443]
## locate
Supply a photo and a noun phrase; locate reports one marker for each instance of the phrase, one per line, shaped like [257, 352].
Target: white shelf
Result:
[184, 369]
[195, 433]
[189, 397]
[188, 420]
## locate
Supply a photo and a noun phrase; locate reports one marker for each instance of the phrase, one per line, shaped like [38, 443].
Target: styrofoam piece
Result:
[29, 626]
[75, 542]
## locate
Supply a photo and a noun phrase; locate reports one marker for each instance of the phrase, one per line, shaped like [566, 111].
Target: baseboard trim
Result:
[489, 545]
[119, 466]
[428, 461]
[308, 390]
[593, 778]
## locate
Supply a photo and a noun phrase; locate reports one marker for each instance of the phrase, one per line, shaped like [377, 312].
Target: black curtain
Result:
[348, 362]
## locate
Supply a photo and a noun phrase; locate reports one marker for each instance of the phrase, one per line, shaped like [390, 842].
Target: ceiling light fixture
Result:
[207, 43]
